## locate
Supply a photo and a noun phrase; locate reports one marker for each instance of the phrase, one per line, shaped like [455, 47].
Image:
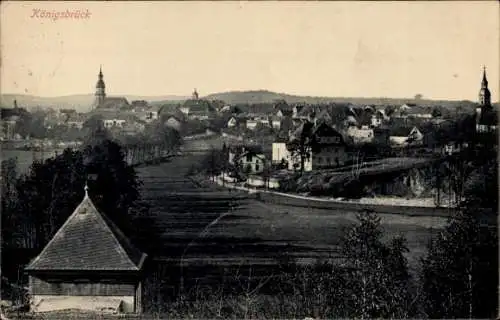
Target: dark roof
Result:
[308, 110]
[177, 114]
[114, 103]
[11, 112]
[324, 114]
[283, 106]
[77, 117]
[286, 113]
[67, 111]
[299, 108]
[198, 106]
[88, 240]
[115, 114]
[251, 153]
[488, 117]
[399, 131]
[140, 103]
[239, 149]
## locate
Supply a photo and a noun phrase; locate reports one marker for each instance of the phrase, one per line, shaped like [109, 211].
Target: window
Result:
[249, 157]
[337, 161]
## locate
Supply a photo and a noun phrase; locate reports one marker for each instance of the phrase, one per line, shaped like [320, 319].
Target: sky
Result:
[334, 49]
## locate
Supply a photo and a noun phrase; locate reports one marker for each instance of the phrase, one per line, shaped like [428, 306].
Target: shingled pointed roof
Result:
[88, 240]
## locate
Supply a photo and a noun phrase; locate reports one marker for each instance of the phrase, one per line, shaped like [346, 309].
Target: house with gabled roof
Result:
[249, 158]
[399, 136]
[88, 265]
[324, 147]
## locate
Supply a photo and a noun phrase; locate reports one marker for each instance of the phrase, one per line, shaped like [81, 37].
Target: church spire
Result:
[484, 92]
[100, 89]
[195, 95]
[484, 83]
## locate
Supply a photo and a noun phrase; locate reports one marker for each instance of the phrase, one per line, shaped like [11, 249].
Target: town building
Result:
[9, 119]
[197, 109]
[486, 116]
[280, 153]
[173, 121]
[360, 135]
[76, 120]
[379, 118]
[328, 147]
[232, 122]
[103, 102]
[401, 136]
[249, 159]
[88, 265]
[322, 146]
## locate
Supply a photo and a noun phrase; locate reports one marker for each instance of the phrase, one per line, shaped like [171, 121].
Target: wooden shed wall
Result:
[77, 288]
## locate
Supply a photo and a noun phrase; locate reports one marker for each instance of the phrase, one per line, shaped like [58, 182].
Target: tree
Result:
[8, 202]
[436, 112]
[93, 123]
[214, 162]
[51, 191]
[301, 146]
[378, 281]
[460, 271]
[116, 188]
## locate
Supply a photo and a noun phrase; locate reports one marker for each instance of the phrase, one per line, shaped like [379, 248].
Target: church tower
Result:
[195, 95]
[484, 93]
[100, 90]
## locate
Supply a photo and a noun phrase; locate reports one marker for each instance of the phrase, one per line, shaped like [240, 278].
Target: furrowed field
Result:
[201, 232]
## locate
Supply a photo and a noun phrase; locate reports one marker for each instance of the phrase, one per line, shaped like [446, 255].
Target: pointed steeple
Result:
[484, 83]
[100, 92]
[484, 92]
[195, 95]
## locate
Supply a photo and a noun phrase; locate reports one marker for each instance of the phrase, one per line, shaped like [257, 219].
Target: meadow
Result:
[206, 225]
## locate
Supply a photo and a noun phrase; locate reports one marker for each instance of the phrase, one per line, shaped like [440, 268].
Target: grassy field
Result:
[216, 226]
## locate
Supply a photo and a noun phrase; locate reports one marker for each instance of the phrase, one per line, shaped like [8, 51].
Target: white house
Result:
[251, 123]
[295, 159]
[403, 136]
[378, 118]
[153, 113]
[232, 122]
[280, 153]
[114, 123]
[360, 135]
[249, 160]
[185, 110]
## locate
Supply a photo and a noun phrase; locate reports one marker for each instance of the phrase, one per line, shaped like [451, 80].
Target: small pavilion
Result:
[89, 264]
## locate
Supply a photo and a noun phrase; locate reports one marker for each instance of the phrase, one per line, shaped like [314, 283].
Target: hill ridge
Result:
[82, 102]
